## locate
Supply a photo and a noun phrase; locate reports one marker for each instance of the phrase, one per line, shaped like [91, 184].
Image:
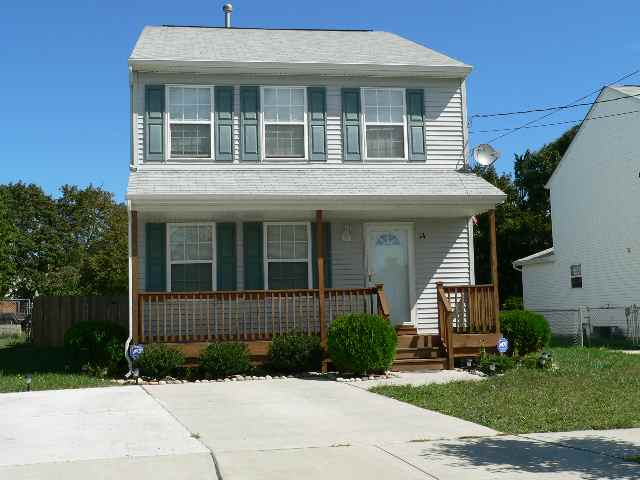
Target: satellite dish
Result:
[485, 154]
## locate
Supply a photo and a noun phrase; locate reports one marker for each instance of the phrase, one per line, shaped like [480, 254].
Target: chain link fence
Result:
[587, 325]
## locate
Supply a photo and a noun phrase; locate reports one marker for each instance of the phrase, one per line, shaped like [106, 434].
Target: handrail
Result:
[474, 308]
[383, 304]
[445, 320]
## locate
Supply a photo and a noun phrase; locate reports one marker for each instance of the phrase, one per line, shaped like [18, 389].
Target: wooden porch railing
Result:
[248, 315]
[468, 316]
[474, 308]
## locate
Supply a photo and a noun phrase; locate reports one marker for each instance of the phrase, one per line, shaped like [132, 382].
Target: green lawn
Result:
[592, 389]
[47, 365]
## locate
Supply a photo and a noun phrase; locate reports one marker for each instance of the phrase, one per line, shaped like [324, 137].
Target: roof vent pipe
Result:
[227, 8]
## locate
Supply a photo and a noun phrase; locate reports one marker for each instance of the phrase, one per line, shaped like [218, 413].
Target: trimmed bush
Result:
[295, 354]
[501, 364]
[526, 331]
[361, 343]
[96, 345]
[158, 360]
[224, 359]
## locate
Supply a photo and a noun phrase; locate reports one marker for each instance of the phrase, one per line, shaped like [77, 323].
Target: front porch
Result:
[446, 317]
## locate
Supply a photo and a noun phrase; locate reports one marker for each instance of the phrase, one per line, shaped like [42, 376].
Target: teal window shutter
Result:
[154, 123]
[328, 281]
[317, 100]
[249, 130]
[351, 124]
[253, 256]
[224, 123]
[226, 256]
[415, 125]
[156, 254]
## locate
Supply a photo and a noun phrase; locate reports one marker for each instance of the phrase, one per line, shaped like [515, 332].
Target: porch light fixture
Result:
[346, 233]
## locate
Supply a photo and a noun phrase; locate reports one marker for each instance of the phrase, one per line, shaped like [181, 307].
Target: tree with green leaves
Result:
[73, 245]
[523, 221]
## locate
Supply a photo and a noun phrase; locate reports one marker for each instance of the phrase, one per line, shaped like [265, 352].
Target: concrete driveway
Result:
[277, 430]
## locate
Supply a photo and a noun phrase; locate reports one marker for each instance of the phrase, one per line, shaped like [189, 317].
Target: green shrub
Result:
[295, 354]
[501, 363]
[96, 345]
[224, 359]
[362, 343]
[159, 360]
[513, 303]
[526, 331]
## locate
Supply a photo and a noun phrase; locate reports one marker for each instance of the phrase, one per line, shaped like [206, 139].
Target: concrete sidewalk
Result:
[280, 429]
[317, 430]
[97, 433]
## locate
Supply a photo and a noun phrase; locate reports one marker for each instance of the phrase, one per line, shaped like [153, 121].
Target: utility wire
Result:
[559, 123]
[533, 110]
[548, 114]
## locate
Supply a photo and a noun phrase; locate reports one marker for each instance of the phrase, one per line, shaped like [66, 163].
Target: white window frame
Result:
[263, 123]
[266, 260]
[170, 262]
[403, 124]
[168, 122]
[572, 276]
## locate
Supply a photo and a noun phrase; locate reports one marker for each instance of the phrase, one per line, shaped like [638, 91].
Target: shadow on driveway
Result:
[516, 454]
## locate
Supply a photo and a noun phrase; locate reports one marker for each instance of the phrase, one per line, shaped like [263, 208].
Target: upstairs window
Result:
[284, 122]
[287, 256]
[576, 276]
[191, 248]
[190, 114]
[384, 122]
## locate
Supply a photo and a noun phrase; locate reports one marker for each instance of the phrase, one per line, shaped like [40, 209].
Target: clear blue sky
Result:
[63, 66]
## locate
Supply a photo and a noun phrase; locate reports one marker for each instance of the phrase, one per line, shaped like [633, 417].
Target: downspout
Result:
[130, 267]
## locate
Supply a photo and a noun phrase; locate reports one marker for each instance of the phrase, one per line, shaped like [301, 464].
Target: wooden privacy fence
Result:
[52, 316]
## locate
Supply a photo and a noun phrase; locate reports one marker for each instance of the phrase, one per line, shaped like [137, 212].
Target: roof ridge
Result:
[269, 28]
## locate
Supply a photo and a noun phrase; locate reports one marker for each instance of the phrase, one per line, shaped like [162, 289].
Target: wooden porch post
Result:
[494, 266]
[320, 251]
[135, 267]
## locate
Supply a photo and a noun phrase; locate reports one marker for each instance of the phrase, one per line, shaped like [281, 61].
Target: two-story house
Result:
[281, 177]
[591, 275]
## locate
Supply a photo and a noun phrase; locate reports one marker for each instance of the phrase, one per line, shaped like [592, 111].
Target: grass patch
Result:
[592, 389]
[48, 367]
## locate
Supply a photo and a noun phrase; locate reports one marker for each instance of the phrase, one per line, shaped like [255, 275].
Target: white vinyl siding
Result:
[444, 109]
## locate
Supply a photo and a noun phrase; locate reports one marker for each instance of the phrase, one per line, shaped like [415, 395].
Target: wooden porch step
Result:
[422, 352]
[418, 341]
[419, 364]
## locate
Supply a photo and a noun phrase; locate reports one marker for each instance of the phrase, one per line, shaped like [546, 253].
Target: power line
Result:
[559, 123]
[548, 114]
[546, 109]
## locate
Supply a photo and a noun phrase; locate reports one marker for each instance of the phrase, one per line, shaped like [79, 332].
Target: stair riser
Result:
[413, 367]
[418, 353]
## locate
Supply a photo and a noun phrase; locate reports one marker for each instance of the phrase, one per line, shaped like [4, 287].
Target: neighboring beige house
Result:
[595, 192]
[259, 154]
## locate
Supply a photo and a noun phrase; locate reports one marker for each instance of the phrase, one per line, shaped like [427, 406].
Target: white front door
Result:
[389, 253]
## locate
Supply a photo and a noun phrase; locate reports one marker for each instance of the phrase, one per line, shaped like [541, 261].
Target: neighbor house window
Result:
[384, 112]
[287, 259]
[284, 128]
[190, 121]
[191, 257]
[576, 276]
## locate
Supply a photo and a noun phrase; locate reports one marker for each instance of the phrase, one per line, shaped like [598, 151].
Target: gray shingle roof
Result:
[309, 182]
[265, 46]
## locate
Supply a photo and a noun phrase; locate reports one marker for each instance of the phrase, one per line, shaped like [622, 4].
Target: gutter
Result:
[386, 70]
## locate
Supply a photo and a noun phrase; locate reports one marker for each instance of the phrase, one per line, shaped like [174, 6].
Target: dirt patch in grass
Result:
[592, 389]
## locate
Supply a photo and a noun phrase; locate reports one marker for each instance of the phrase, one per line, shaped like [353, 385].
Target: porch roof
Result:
[402, 184]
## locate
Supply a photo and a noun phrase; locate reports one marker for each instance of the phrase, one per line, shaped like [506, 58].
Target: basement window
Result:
[576, 276]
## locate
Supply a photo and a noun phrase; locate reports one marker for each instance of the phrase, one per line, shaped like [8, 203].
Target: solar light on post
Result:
[469, 363]
[28, 379]
[492, 367]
